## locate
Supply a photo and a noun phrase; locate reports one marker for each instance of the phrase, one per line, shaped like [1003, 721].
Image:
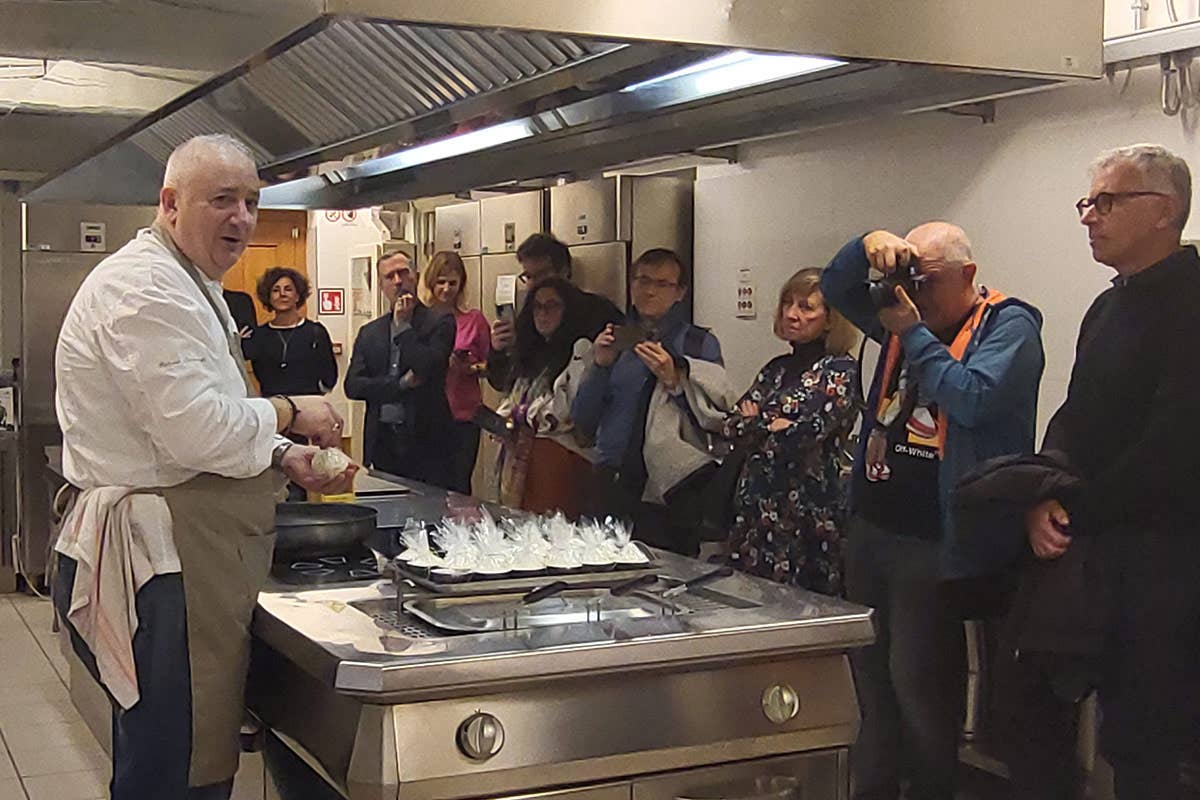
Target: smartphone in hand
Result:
[626, 337]
[506, 312]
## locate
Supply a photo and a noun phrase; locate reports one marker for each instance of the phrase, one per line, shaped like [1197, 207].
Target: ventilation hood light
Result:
[735, 70]
[482, 139]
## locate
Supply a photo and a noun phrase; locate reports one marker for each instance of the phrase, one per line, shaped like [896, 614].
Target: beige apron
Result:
[224, 530]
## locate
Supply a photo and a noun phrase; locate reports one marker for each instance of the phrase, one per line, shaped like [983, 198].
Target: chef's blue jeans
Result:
[911, 681]
[152, 741]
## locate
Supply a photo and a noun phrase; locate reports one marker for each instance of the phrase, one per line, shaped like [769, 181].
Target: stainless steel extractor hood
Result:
[360, 106]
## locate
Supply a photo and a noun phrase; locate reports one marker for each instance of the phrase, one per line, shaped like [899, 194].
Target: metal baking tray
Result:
[483, 613]
[511, 583]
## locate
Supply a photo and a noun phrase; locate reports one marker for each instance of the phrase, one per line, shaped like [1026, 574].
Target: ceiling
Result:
[73, 73]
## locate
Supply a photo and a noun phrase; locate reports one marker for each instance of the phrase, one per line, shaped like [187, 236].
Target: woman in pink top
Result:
[446, 281]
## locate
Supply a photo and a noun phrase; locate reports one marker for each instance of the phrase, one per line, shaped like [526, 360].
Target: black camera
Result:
[883, 291]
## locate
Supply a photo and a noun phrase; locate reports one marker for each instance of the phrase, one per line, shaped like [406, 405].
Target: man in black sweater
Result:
[399, 368]
[1127, 426]
[542, 256]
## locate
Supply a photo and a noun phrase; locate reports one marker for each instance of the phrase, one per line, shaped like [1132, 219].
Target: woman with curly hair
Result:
[789, 505]
[289, 354]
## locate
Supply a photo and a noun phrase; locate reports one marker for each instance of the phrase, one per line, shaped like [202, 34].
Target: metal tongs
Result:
[666, 597]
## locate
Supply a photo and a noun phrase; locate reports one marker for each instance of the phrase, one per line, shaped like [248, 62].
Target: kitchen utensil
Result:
[307, 530]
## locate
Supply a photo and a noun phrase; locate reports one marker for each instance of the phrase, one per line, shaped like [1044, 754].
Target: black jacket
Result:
[1129, 421]
[425, 349]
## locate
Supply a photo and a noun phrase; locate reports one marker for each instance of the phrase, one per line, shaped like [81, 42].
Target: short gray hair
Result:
[185, 157]
[1165, 171]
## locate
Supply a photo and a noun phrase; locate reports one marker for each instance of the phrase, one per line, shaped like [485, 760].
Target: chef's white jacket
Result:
[147, 392]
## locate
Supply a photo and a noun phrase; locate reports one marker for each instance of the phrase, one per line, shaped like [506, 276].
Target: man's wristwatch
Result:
[278, 451]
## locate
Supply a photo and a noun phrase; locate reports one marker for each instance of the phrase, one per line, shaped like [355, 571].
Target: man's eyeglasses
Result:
[1103, 201]
[650, 283]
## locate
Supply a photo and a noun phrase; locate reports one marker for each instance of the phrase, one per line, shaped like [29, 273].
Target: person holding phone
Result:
[544, 464]
[541, 257]
[445, 283]
[655, 390]
[399, 367]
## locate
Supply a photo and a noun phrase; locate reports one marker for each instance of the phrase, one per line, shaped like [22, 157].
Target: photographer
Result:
[657, 384]
[956, 384]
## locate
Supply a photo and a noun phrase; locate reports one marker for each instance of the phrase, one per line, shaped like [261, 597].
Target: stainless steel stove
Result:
[738, 689]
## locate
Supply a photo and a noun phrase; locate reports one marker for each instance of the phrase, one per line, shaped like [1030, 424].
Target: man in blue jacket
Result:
[956, 384]
[657, 384]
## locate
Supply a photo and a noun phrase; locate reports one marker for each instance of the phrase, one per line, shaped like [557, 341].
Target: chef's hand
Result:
[659, 361]
[297, 465]
[779, 424]
[901, 315]
[604, 353]
[748, 409]
[503, 334]
[317, 420]
[886, 251]
[1044, 525]
[403, 310]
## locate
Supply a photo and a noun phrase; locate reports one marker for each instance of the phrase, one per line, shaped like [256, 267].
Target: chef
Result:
[168, 536]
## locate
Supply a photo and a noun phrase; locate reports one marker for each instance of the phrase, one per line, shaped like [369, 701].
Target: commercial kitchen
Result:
[751, 137]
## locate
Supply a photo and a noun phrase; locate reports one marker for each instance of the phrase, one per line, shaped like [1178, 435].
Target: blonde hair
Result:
[443, 262]
[841, 336]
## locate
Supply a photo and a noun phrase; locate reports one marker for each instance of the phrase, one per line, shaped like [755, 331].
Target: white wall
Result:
[1012, 185]
[332, 243]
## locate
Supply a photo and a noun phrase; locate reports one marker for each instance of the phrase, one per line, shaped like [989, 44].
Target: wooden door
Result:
[280, 240]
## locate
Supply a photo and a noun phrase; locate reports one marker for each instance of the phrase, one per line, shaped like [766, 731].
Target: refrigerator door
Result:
[587, 212]
[473, 293]
[507, 221]
[49, 283]
[493, 268]
[602, 269]
[456, 228]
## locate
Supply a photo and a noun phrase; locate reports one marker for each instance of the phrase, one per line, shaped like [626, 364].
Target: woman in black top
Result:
[289, 354]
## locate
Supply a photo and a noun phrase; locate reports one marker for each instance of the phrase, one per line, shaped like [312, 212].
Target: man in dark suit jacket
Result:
[399, 368]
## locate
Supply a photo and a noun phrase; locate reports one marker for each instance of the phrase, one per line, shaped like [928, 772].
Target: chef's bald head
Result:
[200, 154]
[209, 201]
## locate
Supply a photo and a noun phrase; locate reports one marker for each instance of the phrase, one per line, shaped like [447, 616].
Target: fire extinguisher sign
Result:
[331, 301]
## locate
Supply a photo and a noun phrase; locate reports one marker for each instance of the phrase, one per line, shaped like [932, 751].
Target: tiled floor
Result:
[46, 751]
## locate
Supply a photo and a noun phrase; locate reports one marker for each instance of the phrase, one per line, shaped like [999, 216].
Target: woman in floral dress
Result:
[789, 505]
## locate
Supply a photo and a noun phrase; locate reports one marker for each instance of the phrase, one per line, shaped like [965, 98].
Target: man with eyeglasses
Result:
[1128, 428]
[542, 256]
[956, 383]
[656, 387]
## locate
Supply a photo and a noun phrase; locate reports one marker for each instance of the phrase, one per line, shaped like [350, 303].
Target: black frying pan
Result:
[309, 530]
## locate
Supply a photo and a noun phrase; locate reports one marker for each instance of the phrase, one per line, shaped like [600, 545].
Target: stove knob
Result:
[480, 736]
[780, 703]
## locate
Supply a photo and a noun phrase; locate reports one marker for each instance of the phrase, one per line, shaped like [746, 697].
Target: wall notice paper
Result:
[506, 290]
[745, 295]
[8, 415]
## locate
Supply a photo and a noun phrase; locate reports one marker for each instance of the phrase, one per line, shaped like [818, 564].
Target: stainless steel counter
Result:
[752, 683]
[328, 633]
